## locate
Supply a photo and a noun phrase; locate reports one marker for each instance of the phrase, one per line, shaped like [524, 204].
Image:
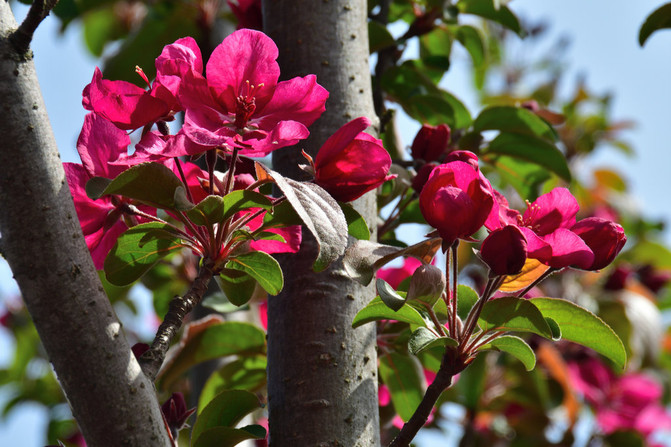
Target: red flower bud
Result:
[603, 237]
[430, 142]
[456, 201]
[505, 250]
[175, 412]
[351, 162]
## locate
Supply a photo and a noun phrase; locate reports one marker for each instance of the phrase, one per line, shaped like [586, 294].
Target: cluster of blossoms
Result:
[239, 109]
[457, 200]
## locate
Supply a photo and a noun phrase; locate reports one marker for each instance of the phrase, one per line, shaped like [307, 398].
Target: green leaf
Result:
[356, 224]
[228, 436]
[209, 211]
[320, 213]
[581, 326]
[471, 39]
[389, 297]
[532, 149]
[129, 259]
[435, 48]
[378, 310]
[515, 120]
[379, 36]
[237, 286]
[488, 10]
[516, 347]
[466, 299]
[527, 178]
[101, 27]
[511, 314]
[247, 373]
[658, 19]
[404, 377]
[262, 267]
[215, 341]
[151, 183]
[423, 338]
[242, 199]
[225, 410]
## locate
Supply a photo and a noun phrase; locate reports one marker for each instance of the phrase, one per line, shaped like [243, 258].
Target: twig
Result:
[450, 365]
[152, 359]
[22, 37]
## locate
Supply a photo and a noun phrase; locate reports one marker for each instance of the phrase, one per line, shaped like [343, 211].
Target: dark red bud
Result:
[652, 278]
[430, 143]
[505, 251]
[604, 237]
[139, 349]
[175, 412]
[618, 278]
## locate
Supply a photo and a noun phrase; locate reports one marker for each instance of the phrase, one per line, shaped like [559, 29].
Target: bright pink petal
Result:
[260, 144]
[244, 63]
[99, 143]
[556, 209]
[298, 99]
[204, 127]
[126, 105]
[568, 249]
[106, 242]
[340, 139]
[395, 275]
[292, 236]
[172, 66]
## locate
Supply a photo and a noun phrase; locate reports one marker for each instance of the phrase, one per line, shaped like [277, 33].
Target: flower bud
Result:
[351, 162]
[427, 284]
[505, 251]
[430, 143]
[175, 412]
[456, 201]
[604, 237]
[422, 176]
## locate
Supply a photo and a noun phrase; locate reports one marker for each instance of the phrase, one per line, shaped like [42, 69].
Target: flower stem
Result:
[179, 307]
[547, 273]
[181, 174]
[450, 365]
[455, 283]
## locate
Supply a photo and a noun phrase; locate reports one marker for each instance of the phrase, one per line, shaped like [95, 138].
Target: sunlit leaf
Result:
[378, 310]
[262, 267]
[516, 347]
[488, 10]
[517, 120]
[246, 373]
[226, 409]
[423, 338]
[531, 149]
[581, 326]
[532, 270]
[133, 255]
[510, 314]
[356, 224]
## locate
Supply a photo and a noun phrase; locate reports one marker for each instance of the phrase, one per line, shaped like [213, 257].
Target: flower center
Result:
[532, 212]
[245, 105]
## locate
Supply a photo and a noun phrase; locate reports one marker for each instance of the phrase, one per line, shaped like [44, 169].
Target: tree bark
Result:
[322, 374]
[113, 402]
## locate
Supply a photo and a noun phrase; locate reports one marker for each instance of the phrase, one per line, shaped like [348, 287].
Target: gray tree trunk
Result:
[322, 380]
[113, 402]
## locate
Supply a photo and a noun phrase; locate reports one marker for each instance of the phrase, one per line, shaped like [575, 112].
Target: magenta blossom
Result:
[456, 201]
[242, 104]
[351, 162]
[547, 226]
[102, 220]
[505, 250]
[628, 402]
[131, 107]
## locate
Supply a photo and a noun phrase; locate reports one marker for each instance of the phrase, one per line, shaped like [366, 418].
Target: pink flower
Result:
[505, 250]
[351, 162]
[628, 402]
[546, 224]
[430, 143]
[242, 104]
[131, 107]
[99, 143]
[603, 237]
[456, 201]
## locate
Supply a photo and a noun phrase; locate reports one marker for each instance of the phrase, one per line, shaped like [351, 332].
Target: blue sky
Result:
[604, 49]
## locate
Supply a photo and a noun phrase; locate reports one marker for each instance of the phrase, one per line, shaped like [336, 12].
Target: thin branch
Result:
[449, 366]
[152, 359]
[22, 37]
